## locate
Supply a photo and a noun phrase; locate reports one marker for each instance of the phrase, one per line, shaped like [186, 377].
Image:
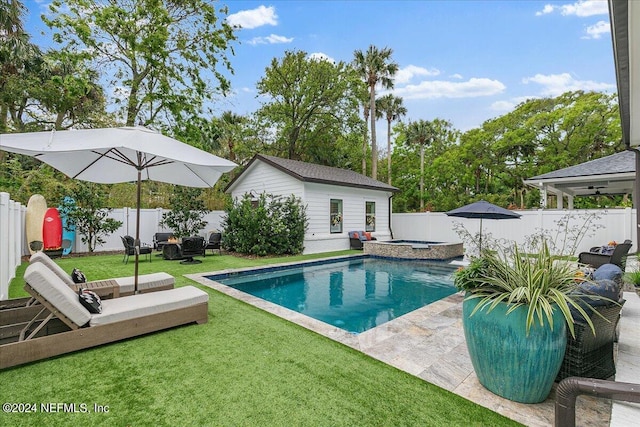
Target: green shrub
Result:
[270, 225]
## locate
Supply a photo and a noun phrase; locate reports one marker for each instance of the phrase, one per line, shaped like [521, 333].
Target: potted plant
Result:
[515, 317]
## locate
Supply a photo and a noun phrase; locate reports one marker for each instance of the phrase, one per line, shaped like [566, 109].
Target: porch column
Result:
[569, 202]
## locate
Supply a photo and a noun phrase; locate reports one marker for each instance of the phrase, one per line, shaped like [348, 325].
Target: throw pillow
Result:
[90, 300]
[603, 288]
[368, 235]
[356, 236]
[608, 272]
[78, 276]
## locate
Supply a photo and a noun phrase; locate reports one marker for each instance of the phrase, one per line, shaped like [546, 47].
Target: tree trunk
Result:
[365, 143]
[374, 146]
[389, 151]
[421, 178]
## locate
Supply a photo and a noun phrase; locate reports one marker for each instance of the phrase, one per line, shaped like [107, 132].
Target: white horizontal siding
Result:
[318, 197]
[263, 178]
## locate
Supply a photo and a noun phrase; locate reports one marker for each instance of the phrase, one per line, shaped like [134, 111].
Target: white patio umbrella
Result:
[126, 154]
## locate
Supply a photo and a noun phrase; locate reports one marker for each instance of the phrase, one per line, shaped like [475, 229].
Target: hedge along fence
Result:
[12, 240]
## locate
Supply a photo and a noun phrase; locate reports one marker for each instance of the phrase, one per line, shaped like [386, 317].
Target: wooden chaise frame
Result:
[38, 330]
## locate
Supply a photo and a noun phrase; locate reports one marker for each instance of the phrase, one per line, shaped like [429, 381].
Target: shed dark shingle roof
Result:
[310, 172]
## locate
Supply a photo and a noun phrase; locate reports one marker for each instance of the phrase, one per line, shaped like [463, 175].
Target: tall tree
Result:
[158, 54]
[311, 103]
[17, 56]
[393, 109]
[375, 66]
[421, 133]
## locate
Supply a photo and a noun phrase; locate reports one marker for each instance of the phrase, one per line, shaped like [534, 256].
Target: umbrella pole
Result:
[137, 242]
[480, 244]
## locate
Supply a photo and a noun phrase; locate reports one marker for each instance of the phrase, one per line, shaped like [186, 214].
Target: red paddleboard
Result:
[52, 229]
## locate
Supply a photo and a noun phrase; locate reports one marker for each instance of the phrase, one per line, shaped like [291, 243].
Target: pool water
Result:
[354, 295]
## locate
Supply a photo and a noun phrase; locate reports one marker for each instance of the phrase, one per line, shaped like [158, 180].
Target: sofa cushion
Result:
[608, 272]
[600, 288]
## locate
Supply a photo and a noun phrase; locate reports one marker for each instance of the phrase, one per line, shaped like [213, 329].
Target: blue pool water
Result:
[354, 295]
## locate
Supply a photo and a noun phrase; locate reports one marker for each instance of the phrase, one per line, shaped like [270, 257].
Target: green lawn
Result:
[245, 367]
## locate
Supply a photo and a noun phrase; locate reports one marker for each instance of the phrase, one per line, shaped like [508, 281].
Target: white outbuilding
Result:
[337, 200]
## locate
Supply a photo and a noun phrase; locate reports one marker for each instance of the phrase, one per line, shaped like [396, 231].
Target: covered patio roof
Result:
[613, 174]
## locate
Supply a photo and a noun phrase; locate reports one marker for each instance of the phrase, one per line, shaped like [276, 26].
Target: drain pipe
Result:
[389, 211]
[569, 389]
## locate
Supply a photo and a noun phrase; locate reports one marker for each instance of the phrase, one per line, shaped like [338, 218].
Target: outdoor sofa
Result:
[591, 355]
[616, 256]
[64, 325]
[356, 239]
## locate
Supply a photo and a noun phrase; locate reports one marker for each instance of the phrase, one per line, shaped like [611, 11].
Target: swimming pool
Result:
[354, 295]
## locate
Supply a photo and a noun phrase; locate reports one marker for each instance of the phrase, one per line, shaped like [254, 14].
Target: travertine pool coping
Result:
[428, 343]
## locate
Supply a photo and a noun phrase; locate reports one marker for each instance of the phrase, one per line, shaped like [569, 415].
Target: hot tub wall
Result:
[439, 251]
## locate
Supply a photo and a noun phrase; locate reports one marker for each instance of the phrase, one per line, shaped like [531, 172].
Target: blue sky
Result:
[463, 61]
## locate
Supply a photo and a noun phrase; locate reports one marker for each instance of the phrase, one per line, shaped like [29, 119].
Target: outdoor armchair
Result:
[159, 239]
[192, 246]
[618, 257]
[130, 249]
[213, 242]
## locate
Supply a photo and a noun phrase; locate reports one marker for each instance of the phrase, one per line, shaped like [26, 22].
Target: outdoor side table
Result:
[103, 288]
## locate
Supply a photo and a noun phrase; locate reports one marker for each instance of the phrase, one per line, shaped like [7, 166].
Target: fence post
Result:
[5, 275]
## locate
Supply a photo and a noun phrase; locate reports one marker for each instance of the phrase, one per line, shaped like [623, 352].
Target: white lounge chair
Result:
[64, 325]
[120, 286]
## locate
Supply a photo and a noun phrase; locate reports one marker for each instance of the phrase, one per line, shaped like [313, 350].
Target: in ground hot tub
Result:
[414, 249]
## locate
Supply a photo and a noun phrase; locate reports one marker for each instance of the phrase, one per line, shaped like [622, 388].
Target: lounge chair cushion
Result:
[58, 293]
[146, 281]
[44, 259]
[141, 305]
[90, 300]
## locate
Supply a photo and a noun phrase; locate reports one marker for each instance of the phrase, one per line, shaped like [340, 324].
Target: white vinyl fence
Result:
[11, 240]
[13, 244]
[611, 224]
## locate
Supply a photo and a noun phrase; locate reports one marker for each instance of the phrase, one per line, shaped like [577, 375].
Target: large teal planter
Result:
[507, 361]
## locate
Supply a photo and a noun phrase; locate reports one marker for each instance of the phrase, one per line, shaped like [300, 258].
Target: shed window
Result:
[335, 211]
[370, 216]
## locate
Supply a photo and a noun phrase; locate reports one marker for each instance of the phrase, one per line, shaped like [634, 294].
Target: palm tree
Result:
[230, 132]
[393, 109]
[421, 133]
[375, 66]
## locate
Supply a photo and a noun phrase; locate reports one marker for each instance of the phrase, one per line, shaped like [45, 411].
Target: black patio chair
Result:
[589, 355]
[159, 239]
[618, 257]
[213, 242]
[192, 246]
[130, 249]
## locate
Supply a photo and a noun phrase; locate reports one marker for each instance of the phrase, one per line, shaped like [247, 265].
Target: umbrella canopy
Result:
[483, 210]
[125, 154]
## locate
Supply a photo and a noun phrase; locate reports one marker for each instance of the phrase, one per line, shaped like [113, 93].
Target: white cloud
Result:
[557, 84]
[406, 74]
[271, 39]
[471, 88]
[456, 76]
[508, 105]
[319, 56]
[580, 8]
[254, 18]
[597, 30]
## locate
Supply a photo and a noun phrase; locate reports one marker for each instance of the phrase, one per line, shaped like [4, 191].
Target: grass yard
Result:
[244, 367]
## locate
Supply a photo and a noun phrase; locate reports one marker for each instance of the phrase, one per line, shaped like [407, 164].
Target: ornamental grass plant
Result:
[538, 281]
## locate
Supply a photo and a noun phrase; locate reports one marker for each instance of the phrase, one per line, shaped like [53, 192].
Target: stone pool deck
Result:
[429, 343]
